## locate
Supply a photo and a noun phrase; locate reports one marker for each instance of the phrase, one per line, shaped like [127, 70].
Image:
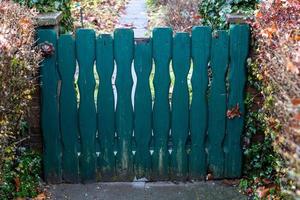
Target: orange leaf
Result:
[291, 67]
[296, 101]
[266, 181]
[231, 182]
[41, 196]
[262, 192]
[17, 183]
[209, 177]
[234, 112]
[24, 21]
[258, 15]
[197, 17]
[297, 117]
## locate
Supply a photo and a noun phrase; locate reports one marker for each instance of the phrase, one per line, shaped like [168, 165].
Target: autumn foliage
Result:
[277, 37]
[181, 15]
[101, 15]
[18, 66]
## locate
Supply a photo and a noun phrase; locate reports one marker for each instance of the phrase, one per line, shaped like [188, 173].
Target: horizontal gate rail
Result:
[169, 107]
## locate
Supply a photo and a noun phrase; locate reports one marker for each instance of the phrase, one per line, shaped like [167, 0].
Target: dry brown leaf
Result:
[17, 183]
[209, 177]
[231, 182]
[234, 112]
[292, 67]
[297, 116]
[41, 196]
[296, 101]
[262, 192]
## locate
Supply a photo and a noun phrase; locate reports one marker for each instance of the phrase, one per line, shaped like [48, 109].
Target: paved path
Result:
[146, 191]
[136, 17]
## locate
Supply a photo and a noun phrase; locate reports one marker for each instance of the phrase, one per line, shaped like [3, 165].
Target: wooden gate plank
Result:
[124, 50]
[49, 110]
[239, 45]
[143, 107]
[162, 54]
[68, 108]
[105, 106]
[217, 103]
[201, 43]
[180, 105]
[85, 49]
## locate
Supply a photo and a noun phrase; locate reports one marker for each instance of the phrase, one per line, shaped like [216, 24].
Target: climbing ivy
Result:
[213, 12]
[45, 6]
[262, 165]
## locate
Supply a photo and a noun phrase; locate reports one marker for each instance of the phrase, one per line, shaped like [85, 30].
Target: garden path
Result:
[135, 17]
[211, 190]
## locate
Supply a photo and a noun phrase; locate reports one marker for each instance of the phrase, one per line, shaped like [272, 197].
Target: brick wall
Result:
[47, 20]
[35, 140]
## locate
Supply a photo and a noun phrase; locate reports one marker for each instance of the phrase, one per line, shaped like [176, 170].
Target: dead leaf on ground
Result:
[41, 196]
[262, 191]
[209, 177]
[231, 182]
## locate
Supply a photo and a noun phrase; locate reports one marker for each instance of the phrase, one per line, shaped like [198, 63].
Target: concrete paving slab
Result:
[135, 17]
[212, 190]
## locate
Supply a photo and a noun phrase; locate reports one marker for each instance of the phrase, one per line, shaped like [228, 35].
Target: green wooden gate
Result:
[184, 134]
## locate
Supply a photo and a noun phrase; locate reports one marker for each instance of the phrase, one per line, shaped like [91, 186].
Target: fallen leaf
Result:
[41, 196]
[297, 116]
[258, 15]
[292, 67]
[197, 17]
[17, 183]
[296, 101]
[209, 177]
[266, 181]
[231, 182]
[234, 112]
[249, 191]
[262, 191]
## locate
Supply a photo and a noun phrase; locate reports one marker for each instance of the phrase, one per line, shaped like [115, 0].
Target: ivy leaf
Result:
[56, 5]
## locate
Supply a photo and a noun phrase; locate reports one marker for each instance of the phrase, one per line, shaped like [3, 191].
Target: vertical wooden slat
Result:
[105, 106]
[68, 108]
[180, 105]
[85, 49]
[143, 107]
[239, 46]
[201, 43]
[217, 103]
[124, 50]
[162, 54]
[49, 110]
